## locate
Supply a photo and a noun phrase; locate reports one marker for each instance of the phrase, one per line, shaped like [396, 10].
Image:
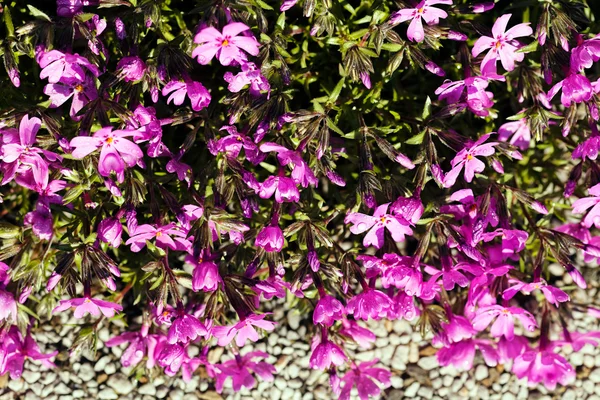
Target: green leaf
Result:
[417, 139]
[336, 91]
[426, 109]
[37, 13]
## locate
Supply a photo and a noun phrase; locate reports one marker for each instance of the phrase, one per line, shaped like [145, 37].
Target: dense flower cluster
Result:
[180, 170]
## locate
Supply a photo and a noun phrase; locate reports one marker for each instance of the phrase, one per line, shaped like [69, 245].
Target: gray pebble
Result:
[120, 383]
[107, 393]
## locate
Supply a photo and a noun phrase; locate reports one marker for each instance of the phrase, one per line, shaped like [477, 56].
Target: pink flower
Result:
[16, 349]
[199, 96]
[167, 236]
[543, 366]
[82, 93]
[110, 230]
[249, 75]
[519, 130]
[470, 91]
[227, 46]
[141, 344]
[87, 305]
[270, 238]
[205, 276]
[240, 370]
[117, 152]
[467, 158]
[283, 187]
[326, 354]
[575, 88]
[131, 69]
[504, 325]
[424, 11]
[362, 336]
[454, 274]
[585, 54]
[461, 354]
[8, 307]
[328, 310]
[64, 67]
[376, 224]
[301, 172]
[369, 304]
[457, 329]
[364, 377]
[553, 295]
[243, 329]
[186, 328]
[593, 216]
[175, 357]
[502, 45]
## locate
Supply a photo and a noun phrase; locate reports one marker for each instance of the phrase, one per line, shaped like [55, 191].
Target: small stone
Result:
[287, 394]
[107, 393]
[293, 335]
[110, 369]
[120, 384]
[148, 389]
[78, 394]
[162, 391]
[428, 363]
[16, 385]
[176, 394]
[101, 363]
[86, 372]
[413, 353]
[412, 390]
[595, 376]
[295, 384]
[508, 396]
[589, 361]
[481, 372]
[31, 377]
[569, 395]
[425, 392]
[293, 371]
[588, 386]
[293, 319]
[61, 388]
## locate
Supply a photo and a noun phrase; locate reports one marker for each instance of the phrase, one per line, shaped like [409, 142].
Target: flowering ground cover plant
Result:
[174, 166]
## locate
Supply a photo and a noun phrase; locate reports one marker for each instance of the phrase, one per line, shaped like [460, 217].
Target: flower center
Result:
[87, 301]
[383, 220]
[159, 234]
[469, 156]
[79, 87]
[421, 10]
[109, 140]
[498, 44]
[505, 311]
[225, 42]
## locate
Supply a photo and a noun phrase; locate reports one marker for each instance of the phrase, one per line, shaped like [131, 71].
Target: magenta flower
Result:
[110, 230]
[593, 216]
[40, 221]
[454, 274]
[364, 376]
[87, 305]
[186, 328]
[141, 344]
[328, 310]
[504, 325]
[284, 188]
[21, 157]
[82, 93]
[16, 349]
[249, 75]
[270, 238]
[243, 329]
[575, 88]
[461, 354]
[326, 354]
[240, 370]
[517, 131]
[205, 276]
[301, 172]
[543, 366]
[117, 152]
[369, 304]
[457, 329]
[167, 236]
[467, 158]
[199, 96]
[233, 144]
[227, 46]
[553, 295]
[175, 357]
[502, 45]
[376, 224]
[362, 336]
[64, 67]
[8, 307]
[424, 11]
[585, 54]
[470, 91]
[131, 68]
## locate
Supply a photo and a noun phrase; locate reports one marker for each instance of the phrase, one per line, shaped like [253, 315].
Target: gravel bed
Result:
[416, 373]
